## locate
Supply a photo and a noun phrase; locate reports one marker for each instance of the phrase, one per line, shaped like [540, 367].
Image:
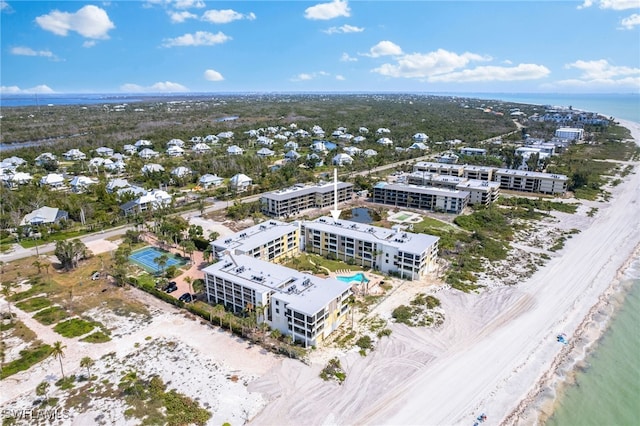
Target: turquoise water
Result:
[607, 390]
[357, 277]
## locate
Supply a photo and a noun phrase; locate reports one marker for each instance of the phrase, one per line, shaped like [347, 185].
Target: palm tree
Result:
[6, 293]
[87, 363]
[189, 281]
[161, 261]
[229, 317]
[219, 310]
[58, 352]
[38, 264]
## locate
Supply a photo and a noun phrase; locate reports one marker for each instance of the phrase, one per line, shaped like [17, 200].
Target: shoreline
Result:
[542, 401]
[494, 350]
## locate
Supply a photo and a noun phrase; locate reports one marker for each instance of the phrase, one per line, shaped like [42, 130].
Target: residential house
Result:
[74, 155]
[419, 146]
[44, 216]
[176, 142]
[129, 149]
[212, 139]
[240, 182]
[385, 141]
[235, 150]
[352, 150]
[359, 139]
[370, 153]
[201, 148]
[115, 184]
[52, 180]
[81, 183]
[382, 131]
[341, 159]
[292, 155]
[265, 152]
[210, 180]
[175, 151]
[152, 168]
[225, 135]
[363, 130]
[291, 145]
[265, 141]
[142, 143]
[421, 137]
[473, 151]
[104, 151]
[151, 200]
[181, 171]
[148, 153]
[116, 167]
[13, 180]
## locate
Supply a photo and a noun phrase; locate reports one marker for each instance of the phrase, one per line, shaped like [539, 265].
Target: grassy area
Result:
[428, 224]
[34, 304]
[51, 315]
[74, 327]
[306, 261]
[97, 337]
[17, 329]
[420, 313]
[538, 204]
[28, 357]
[57, 236]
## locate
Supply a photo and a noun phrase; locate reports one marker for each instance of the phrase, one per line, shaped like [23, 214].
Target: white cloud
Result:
[179, 17]
[161, 86]
[199, 38]
[27, 51]
[340, 77]
[213, 75]
[612, 4]
[346, 58]
[325, 11]
[601, 69]
[89, 21]
[494, 73]
[225, 16]
[15, 90]
[631, 21]
[89, 43]
[4, 5]
[188, 4]
[344, 29]
[310, 76]
[384, 48]
[426, 65]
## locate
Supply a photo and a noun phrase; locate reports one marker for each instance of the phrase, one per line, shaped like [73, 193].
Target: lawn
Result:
[74, 327]
[58, 236]
[34, 304]
[28, 357]
[51, 315]
[97, 337]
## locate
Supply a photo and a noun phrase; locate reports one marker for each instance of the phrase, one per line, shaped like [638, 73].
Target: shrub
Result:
[364, 342]
[50, 315]
[28, 357]
[74, 327]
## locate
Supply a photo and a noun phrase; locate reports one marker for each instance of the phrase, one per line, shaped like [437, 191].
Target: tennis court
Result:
[405, 217]
[146, 258]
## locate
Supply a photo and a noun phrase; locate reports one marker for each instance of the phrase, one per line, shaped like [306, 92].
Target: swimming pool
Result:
[146, 258]
[359, 277]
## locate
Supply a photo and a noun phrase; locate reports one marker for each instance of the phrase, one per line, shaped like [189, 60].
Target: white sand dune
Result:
[495, 353]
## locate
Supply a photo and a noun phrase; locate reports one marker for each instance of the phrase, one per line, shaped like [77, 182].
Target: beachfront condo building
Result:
[480, 191]
[519, 180]
[303, 306]
[300, 197]
[421, 197]
[570, 133]
[509, 179]
[271, 241]
[392, 251]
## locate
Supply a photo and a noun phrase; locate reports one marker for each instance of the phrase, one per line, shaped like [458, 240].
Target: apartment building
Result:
[300, 305]
[300, 197]
[480, 191]
[271, 240]
[439, 168]
[570, 133]
[518, 180]
[393, 251]
[420, 197]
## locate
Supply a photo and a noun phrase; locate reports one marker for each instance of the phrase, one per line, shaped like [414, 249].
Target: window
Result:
[277, 311]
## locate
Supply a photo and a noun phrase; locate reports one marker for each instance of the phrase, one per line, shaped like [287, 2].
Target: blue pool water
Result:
[357, 277]
[147, 256]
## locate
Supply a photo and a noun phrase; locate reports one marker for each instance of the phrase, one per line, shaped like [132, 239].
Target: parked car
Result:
[95, 276]
[187, 297]
[171, 287]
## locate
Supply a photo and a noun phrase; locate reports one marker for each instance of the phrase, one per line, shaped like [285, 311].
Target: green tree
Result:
[6, 293]
[161, 261]
[69, 253]
[43, 390]
[58, 352]
[87, 362]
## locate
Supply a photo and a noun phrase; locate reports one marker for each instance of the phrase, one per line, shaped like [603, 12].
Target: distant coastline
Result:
[618, 105]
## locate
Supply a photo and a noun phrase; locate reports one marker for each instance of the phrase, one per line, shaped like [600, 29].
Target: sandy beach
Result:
[497, 352]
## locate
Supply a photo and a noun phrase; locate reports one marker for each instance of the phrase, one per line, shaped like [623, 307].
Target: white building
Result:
[406, 254]
[151, 200]
[571, 133]
[240, 182]
[300, 305]
[473, 151]
[210, 180]
[74, 155]
[342, 159]
[271, 240]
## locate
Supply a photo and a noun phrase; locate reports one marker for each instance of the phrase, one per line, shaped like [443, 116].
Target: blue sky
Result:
[238, 46]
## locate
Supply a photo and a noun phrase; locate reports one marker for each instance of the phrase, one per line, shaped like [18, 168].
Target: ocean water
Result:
[606, 390]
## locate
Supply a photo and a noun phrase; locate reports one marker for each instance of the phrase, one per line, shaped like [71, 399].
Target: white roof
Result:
[240, 178]
[52, 178]
[142, 142]
[152, 167]
[201, 147]
[176, 142]
[210, 178]
[181, 171]
[81, 181]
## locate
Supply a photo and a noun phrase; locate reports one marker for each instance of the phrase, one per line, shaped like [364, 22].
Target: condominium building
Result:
[271, 240]
[421, 197]
[439, 168]
[393, 251]
[480, 191]
[518, 180]
[478, 172]
[300, 305]
[570, 133]
[473, 151]
[289, 201]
